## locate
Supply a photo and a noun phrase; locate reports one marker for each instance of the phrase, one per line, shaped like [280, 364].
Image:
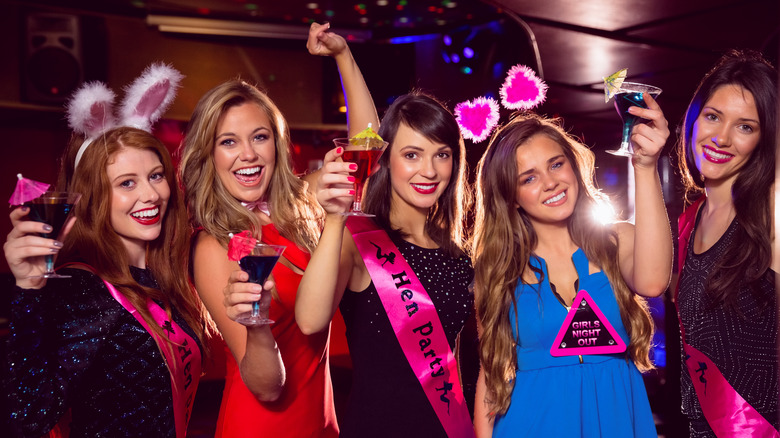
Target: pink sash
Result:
[416, 325]
[726, 412]
[182, 356]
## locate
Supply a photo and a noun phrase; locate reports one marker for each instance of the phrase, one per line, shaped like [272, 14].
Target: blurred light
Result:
[413, 39]
[466, 70]
[363, 20]
[329, 13]
[468, 52]
[446, 57]
[381, 2]
[447, 40]
[404, 19]
[312, 6]
[250, 7]
[455, 58]
[203, 11]
[402, 3]
[343, 109]
[604, 213]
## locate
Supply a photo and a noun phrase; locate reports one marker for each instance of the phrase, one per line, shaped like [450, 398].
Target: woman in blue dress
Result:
[537, 244]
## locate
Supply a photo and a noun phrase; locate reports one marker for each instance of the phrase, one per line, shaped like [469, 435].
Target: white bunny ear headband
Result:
[91, 109]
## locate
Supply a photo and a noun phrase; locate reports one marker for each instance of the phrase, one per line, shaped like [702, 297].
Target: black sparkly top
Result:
[386, 399]
[743, 347]
[73, 346]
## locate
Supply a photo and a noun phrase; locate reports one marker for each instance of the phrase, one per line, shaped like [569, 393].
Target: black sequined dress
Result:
[386, 399]
[73, 346]
[743, 347]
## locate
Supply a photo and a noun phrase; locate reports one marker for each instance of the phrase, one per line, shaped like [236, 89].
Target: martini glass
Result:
[52, 208]
[364, 152]
[630, 94]
[259, 264]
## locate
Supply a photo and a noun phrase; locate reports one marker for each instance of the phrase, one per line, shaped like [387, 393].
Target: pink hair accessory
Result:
[477, 118]
[522, 89]
[91, 110]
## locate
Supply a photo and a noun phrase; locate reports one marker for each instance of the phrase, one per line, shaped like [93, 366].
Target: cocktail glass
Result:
[259, 264]
[364, 152]
[630, 94]
[52, 208]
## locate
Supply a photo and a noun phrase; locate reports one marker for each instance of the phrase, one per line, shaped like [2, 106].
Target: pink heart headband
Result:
[522, 90]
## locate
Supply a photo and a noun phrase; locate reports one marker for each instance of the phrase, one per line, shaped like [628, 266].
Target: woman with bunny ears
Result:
[563, 325]
[114, 350]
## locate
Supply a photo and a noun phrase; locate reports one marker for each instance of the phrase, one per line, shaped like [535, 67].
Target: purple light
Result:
[447, 40]
[468, 52]
[455, 58]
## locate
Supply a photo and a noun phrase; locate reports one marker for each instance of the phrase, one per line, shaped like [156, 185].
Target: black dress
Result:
[742, 343]
[386, 399]
[73, 346]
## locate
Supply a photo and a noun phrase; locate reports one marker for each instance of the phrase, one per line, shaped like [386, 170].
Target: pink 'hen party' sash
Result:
[416, 325]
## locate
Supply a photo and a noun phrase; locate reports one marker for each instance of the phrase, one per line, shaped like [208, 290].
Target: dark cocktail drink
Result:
[259, 264]
[631, 94]
[52, 208]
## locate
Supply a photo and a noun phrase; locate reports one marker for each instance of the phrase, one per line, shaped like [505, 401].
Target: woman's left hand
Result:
[240, 295]
[650, 137]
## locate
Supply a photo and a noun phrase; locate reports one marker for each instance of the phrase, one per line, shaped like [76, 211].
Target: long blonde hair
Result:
[504, 239]
[294, 212]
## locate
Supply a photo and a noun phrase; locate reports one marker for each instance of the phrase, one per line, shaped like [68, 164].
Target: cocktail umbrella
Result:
[240, 245]
[613, 82]
[26, 190]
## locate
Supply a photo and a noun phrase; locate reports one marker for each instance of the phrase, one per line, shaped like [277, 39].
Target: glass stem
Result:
[255, 309]
[49, 264]
[626, 142]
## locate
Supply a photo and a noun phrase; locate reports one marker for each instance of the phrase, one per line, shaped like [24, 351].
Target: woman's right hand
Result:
[240, 295]
[324, 43]
[25, 250]
[335, 187]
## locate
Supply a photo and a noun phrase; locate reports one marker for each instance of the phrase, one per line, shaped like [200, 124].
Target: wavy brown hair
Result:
[427, 116]
[504, 240]
[93, 241]
[747, 260]
[294, 212]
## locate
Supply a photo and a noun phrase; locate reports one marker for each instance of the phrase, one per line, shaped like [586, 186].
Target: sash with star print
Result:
[183, 359]
[728, 414]
[416, 325]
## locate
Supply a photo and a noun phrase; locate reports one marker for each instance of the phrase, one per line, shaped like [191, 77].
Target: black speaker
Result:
[52, 67]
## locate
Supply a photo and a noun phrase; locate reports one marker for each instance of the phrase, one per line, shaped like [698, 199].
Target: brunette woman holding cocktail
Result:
[726, 294]
[400, 279]
[115, 349]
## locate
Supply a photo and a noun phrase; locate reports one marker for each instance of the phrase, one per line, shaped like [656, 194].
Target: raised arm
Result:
[333, 261]
[254, 348]
[360, 106]
[646, 250]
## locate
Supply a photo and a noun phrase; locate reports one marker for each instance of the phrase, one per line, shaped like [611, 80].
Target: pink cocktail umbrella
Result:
[26, 190]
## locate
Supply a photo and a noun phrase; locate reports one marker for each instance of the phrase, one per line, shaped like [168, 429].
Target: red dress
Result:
[305, 407]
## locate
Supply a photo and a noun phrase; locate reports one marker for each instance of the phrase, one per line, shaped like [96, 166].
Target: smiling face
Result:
[420, 169]
[245, 152]
[725, 134]
[139, 197]
[547, 187]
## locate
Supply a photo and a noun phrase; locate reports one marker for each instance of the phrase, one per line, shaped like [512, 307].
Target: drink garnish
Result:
[367, 137]
[613, 82]
[240, 245]
[26, 190]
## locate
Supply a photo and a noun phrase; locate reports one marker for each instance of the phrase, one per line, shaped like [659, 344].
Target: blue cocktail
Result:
[259, 264]
[631, 94]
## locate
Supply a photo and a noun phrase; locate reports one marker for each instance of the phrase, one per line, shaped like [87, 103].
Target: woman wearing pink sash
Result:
[418, 195]
[726, 295]
[114, 350]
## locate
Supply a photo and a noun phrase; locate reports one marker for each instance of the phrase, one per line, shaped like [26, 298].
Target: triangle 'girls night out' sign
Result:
[586, 331]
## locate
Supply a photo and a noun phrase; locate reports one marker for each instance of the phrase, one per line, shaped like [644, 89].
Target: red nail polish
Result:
[353, 166]
[339, 150]
[351, 178]
[351, 192]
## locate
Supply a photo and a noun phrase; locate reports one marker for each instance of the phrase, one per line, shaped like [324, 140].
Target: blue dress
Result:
[592, 396]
